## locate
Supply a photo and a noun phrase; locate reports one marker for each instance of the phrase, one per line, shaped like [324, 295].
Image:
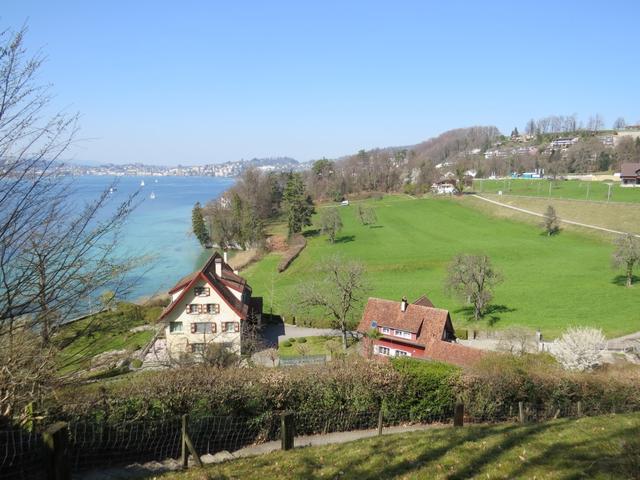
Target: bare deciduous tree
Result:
[517, 341]
[330, 222]
[473, 278]
[627, 255]
[619, 124]
[53, 255]
[551, 222]
[338, 292]
[579, 348]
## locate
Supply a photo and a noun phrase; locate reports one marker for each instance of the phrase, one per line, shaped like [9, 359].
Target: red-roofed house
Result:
[212, 304]
[630, 174]
[414, 329]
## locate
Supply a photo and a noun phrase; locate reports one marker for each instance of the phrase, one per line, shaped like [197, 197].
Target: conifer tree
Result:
[198, 225]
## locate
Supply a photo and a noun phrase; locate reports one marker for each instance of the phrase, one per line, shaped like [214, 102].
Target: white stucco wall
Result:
[178, 342]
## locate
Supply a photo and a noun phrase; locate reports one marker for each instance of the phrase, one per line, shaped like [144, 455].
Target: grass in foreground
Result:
[549, 283]
[605, 447]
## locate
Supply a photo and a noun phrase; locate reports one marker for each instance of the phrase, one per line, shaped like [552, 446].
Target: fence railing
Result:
[78, 446]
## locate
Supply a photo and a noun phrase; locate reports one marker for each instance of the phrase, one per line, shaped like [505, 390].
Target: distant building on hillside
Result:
[211, 305]
[414, 330]
[563, 143]
[630, 175]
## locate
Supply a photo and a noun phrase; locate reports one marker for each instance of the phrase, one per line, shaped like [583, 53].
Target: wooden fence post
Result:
[187, 444]
[380, 419]
[56, 442]
[579, 406]
[521, 412]
[287, 430]
[458, 415]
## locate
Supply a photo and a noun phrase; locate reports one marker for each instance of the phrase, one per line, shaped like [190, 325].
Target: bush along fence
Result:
[75, 446]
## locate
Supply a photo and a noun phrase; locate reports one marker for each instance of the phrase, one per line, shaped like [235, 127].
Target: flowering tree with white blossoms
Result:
[579, 348]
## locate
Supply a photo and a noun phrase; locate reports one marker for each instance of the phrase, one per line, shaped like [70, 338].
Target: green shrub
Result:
[286, 344]
[136, 363]
[428, 388]
[292, 340]
[302, 340]
[462, 333]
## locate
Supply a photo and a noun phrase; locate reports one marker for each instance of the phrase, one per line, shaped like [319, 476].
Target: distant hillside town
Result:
[226, 169]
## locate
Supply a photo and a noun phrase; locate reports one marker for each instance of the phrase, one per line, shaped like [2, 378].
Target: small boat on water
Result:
[142, 183]
[152, 196]
[156, 180]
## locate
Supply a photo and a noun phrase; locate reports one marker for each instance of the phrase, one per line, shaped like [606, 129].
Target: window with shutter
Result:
[213, 327]
[200, 308]
[236, 326]
[193, 328]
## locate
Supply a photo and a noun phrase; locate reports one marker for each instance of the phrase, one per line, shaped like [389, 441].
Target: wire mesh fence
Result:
[93, 444]
[21, 455]
[211, 434]
[99, 444]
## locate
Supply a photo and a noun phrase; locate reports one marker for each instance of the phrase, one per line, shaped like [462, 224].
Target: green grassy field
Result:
[549, 283]
[623, 217]
[572, 189]
[605, 447]
[81, 341]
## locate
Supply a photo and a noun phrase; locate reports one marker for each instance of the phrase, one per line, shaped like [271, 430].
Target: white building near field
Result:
[213, 304]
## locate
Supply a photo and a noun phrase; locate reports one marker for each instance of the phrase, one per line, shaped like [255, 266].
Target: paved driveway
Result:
[273, 334]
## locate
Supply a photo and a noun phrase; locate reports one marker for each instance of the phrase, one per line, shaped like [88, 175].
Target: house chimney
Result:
[225, 256]
[218, 267]
[403, 304]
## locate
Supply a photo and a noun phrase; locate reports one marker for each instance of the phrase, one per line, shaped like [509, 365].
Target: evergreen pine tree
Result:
[198, 226]
[297, 204]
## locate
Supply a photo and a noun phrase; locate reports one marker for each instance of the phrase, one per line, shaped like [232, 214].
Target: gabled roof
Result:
[630, 170]
[454, 353]
[424, 301]
[428, 323]
[220, 284]
[425, 322]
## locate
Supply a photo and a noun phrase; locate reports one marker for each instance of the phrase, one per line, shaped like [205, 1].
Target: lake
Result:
[158, 227]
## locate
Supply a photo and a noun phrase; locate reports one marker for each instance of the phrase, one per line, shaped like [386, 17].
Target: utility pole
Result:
[609, 192]
[588, 188]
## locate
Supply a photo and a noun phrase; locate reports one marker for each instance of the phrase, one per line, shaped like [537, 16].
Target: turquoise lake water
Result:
[161, 227]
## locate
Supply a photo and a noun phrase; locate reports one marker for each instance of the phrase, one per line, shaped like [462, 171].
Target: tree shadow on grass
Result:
[345, 239]
[314, 232]
[621, 280]
[376, 226]
[491, 314]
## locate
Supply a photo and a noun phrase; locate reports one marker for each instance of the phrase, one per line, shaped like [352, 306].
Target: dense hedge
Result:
[501, 381]
[349, 385]
[427, 389]
[408, 389]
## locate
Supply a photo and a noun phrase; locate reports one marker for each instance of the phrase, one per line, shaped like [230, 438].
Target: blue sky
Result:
[197, 82]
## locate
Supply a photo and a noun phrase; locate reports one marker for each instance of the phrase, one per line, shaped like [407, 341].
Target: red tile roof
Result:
[425, 322]
[430, 325]
[454, 353]
[424, 301]
[221, 284]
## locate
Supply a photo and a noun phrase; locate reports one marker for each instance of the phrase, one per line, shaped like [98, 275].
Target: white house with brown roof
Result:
[414, 330]
[630, 175]
[213, 304]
